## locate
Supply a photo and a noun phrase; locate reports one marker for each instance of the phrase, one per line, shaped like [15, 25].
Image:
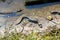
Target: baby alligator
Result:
[30, 20]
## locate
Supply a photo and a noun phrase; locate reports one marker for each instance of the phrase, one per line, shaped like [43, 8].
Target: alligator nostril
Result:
[40, 25]
[59, 13]
[0, 26]
[20, 10]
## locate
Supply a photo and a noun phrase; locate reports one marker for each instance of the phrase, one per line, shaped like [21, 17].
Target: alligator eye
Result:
[54, 13]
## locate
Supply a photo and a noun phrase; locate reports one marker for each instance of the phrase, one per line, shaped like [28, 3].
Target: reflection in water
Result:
[13, 14]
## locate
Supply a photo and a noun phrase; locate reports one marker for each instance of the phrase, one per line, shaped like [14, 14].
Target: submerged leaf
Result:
[3, 0]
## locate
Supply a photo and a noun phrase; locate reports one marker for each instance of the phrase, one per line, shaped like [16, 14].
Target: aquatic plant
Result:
[53, 35]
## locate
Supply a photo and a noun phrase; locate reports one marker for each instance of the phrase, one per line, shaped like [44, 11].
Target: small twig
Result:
[30, 20]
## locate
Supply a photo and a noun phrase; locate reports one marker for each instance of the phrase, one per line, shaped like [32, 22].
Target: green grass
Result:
[53, 35]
